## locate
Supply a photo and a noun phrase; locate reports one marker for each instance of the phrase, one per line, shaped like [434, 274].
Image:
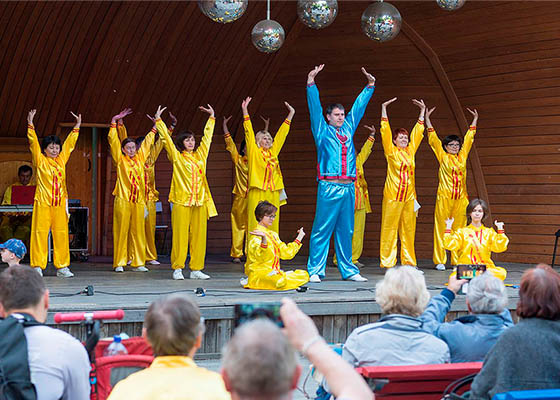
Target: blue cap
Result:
[16, 246]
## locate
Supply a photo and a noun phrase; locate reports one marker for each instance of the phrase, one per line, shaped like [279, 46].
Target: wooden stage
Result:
[336, 306]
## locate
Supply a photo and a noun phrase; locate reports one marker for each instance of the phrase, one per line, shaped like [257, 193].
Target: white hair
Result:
[487, 294]
[402, 291]
[259, 361]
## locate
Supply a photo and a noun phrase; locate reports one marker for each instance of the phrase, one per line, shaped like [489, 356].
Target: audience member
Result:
[12, 251]
[260, 361]
[470, 337]
[527, 355]
[397, 338]
[58, 363]
[174, 328]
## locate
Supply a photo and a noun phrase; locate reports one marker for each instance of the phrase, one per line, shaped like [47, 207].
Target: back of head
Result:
[172, 325]
[259, 361]
[487, 294]
[20, 287]
[539, 293]
[402, 291]
[139, 140]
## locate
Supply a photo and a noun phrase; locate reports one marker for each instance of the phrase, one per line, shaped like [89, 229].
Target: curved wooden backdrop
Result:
[500, 57]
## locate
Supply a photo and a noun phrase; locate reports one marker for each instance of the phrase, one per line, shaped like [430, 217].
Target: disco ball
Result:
[268, 36]
[223, 11]
[381, 21]
[451, 5]
[317, 14]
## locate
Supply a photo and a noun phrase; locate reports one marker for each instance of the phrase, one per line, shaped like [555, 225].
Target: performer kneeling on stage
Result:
[475, 243]
[264, 254]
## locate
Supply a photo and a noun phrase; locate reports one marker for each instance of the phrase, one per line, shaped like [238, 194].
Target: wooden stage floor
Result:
[133, 291]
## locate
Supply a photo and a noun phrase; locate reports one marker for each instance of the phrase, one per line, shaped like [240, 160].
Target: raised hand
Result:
[455, 284]
[369, 77]
[159, 111]
[245, 105]
[385, 104]
[291, 110]
[121, 115]
[173, 119]
[371, 130]
[30, 116]
[266, 123]
[474, 113]
[429, 112]
[300, 234]
[78, 120]
[313, 73]
[151, 119]
[499, 225]
[420, 104]
[224, 124]
[208, 110]
[449, 223]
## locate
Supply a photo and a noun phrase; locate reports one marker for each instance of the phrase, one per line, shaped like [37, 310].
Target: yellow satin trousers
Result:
[150, 233]
[254, 197]
[128, 231]
[398, 220]
[447, 208]
[189, 235]
[238, 225]
[358, 236]
[55, 220]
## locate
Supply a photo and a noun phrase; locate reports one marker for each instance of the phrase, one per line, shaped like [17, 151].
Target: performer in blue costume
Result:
[336, 168]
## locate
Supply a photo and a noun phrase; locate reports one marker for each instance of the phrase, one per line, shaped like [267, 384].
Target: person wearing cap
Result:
[13, 250]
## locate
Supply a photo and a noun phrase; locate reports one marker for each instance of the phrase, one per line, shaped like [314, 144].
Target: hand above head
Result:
[371, 130]
[159, 111]
[385, 104]
[499, 225]
[474, 113]
[420, 104]
[455, 284]
[291, 110]
[78, 120]
[245, 105]
[300, 234]
[429, 112]
[151, 118]
[266, 123]
[224, 124]
[298, 327]
[30, 116]
[313, 73]
[121, 115]
[207, 109]
[369, 77]
[173, 119]
[449, 223]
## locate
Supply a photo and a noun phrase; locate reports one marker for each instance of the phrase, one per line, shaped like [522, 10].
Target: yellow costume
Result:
[452, 197]
[151, 194]
[399, 194]
[475, 246]
[50, 207]
[192, 203]
[129, 208]
[14, 225]
[239, 206]
[265, 177]
[263, 263]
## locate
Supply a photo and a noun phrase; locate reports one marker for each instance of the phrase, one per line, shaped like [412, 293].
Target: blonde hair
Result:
[260, 134]
[402, 291]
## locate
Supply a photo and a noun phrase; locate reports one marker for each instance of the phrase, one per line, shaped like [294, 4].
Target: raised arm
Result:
[230, 144]
[121, 128]
[314, 103]
[34, 145]
[417, 133]
[386, 134]
[358, 109]
[204, 147]
[499, 241]
[114, 142]
[433, 138]
[283, 131]
[164, 136]
[468, 140]
[248, 126]
[367, 147]
[70, 142]
[289, 251]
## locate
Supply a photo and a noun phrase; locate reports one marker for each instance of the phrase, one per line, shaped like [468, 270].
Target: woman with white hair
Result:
[470, 337]
[397, 338]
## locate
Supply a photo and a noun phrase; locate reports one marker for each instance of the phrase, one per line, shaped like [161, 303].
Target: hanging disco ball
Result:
[381, 21]
[223, 11]
[268, 36]
[451, 5]
[317, 14]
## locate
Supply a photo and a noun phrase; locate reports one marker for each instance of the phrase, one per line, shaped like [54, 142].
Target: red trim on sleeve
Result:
[113, 125]
[154, 130]
[75, 129]
[227, 135]
[384, 119]
[473, 127]
[297, 241]
[371, 139]
[448, 231]
[421, 122]
[30, 127]
[501, 231]
[214, 118]
[246, 118]
[287, 121]
[311, 84]
[431, 130]
[264, 246]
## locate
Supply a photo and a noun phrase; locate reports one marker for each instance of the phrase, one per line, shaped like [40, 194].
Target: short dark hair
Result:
[539, 293]
[181, 138]
[24, 168]
[472, 204]
[20, 287]
[332, 106]
[48, 140]
[127, 141]
[172, 325]
[139, 141]
[399, 131]
[451, 138]
[264, 208]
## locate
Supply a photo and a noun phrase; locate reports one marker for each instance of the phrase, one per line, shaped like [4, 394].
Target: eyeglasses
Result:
[272, 216]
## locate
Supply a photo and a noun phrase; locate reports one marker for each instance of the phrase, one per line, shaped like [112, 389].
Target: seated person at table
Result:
[265, 250]
[470, 337]
[12, 252]
[17, 225]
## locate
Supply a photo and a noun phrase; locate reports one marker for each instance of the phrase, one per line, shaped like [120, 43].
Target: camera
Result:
[468, 272]
[249, 311]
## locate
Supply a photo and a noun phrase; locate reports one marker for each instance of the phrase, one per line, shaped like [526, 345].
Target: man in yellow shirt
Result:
[174, 328]
[17, 226]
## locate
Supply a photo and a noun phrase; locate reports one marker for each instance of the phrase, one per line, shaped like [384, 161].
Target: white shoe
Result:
[178, 274]
[154, 262]
[440, 267]
[236, 260]
[129, 262]
[39, 270]
[314, 278]
[359, 264]
[119, 269]
[199, 275]
[357, 278]
[64, 273]
[243, 281]
[140, 269]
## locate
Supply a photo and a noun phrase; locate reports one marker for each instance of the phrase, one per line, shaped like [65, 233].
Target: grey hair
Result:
[487, 294]
[259, 361]
[402, 291]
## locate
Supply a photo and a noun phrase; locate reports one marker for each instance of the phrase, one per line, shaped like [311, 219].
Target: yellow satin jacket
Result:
[400, 182]
[51, 172]
[241, 164]
[452, 168]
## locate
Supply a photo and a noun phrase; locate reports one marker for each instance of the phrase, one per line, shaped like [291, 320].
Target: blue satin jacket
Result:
[336, 156]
